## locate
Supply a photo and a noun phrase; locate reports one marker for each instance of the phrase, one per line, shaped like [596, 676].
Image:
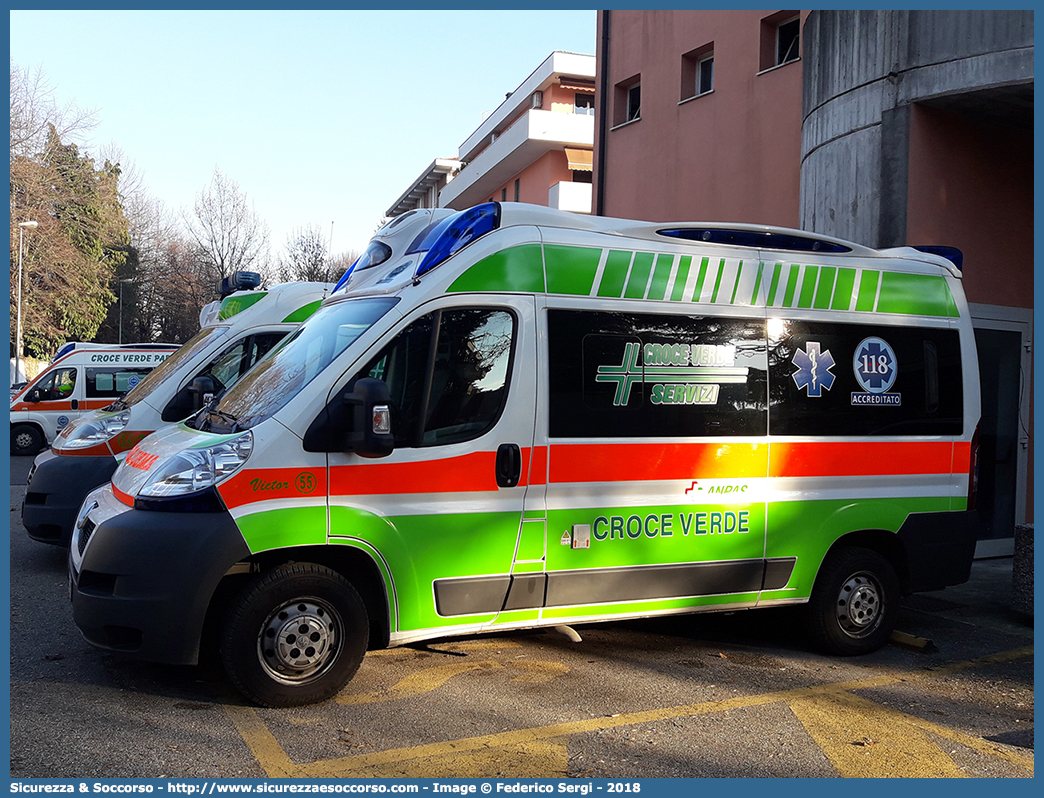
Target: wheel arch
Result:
[353, 563]
[885, 543]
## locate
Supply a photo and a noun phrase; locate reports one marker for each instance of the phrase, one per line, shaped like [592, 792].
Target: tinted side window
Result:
[447, 374]
[110, 383]
[855, 379]
[625, 375]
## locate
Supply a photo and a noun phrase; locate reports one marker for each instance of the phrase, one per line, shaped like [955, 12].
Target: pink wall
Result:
[537, 178]
[971, 186]
[732, 155]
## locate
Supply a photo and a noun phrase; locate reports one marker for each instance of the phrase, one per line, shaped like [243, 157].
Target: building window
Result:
[584, 104]
[627, 100]
[516, 189]
[581, 176]
[780, 39]
[634, 102]
[503, 195]
[787, 38]
[697, 72]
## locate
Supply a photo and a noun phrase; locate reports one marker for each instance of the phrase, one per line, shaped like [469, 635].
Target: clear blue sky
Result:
[319, 116]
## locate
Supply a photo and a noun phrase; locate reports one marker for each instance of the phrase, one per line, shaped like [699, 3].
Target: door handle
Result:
[509, 465]
[75, 404]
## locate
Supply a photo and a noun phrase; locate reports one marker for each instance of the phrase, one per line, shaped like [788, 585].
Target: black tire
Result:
[259, 641]
[854, 603]
[26, 439]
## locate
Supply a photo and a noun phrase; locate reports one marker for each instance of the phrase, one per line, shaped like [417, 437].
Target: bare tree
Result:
[339, 264]
[228, 234]
[306, 257]
[34, 111]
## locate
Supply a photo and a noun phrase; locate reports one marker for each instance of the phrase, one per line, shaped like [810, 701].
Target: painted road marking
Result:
[827, 711]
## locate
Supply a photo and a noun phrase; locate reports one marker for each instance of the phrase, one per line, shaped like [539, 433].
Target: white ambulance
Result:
[550, 419]
[236, 332]
[87, 450]
[81, 377]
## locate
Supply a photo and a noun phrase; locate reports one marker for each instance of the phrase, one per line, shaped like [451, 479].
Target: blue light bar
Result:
[952, 254]
[462, 229]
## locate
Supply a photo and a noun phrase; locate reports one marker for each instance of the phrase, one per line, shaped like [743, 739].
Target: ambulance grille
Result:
[85, 534]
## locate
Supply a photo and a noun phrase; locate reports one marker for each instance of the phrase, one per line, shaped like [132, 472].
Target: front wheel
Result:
[294, 635]
[854, 603]
[26, 439]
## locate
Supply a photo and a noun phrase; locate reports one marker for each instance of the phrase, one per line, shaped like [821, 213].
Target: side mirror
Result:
[370, 405]
[202, 391]
[34, 396]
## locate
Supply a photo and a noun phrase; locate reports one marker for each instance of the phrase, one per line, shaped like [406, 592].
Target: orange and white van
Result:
[81, 377]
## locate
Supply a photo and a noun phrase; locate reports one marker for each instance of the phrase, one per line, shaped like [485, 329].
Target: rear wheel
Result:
[295, 635]
[854, 604]
[26, 439]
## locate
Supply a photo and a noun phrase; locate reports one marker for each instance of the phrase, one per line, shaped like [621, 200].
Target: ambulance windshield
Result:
[294, 363]
[169, 366]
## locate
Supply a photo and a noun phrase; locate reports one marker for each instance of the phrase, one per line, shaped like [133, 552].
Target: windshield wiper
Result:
[226, 417]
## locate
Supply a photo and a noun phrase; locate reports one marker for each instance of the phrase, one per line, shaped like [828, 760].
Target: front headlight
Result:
[194, 470]
[82, 433]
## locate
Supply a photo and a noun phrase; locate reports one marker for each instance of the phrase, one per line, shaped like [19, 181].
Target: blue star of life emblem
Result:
[813, 369]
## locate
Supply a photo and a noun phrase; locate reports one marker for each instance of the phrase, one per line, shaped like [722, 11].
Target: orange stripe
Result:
[126, 498]
[962, 457]
[538, 470]
[465, 474]
[53, 405]
[97, 450]
[56, 405]
[264, 484]
[614, 462]
[857, 459]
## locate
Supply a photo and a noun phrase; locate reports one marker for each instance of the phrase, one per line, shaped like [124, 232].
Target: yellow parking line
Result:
[275, 762]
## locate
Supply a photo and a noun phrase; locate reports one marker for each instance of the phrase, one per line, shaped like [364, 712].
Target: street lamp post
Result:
[19, 373]
[125, 280]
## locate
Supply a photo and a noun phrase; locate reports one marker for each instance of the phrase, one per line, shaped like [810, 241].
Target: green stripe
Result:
[717, 281]
[614, 274]
[867, 290]
[639, 278]
[808, 287]
[517, 269]
[843, 289]
[303, 312]
[775, 283]
[735, 287]
[792, 281]
[661, 276]
[231, 305]
[681, 278]
[757, 284]
[825, 288]
[920, 294]
[279, 528]
[699, 280]
[571, 270]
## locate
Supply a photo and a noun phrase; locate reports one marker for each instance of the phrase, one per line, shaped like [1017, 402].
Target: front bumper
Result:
[141, 581]
[58, 485]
